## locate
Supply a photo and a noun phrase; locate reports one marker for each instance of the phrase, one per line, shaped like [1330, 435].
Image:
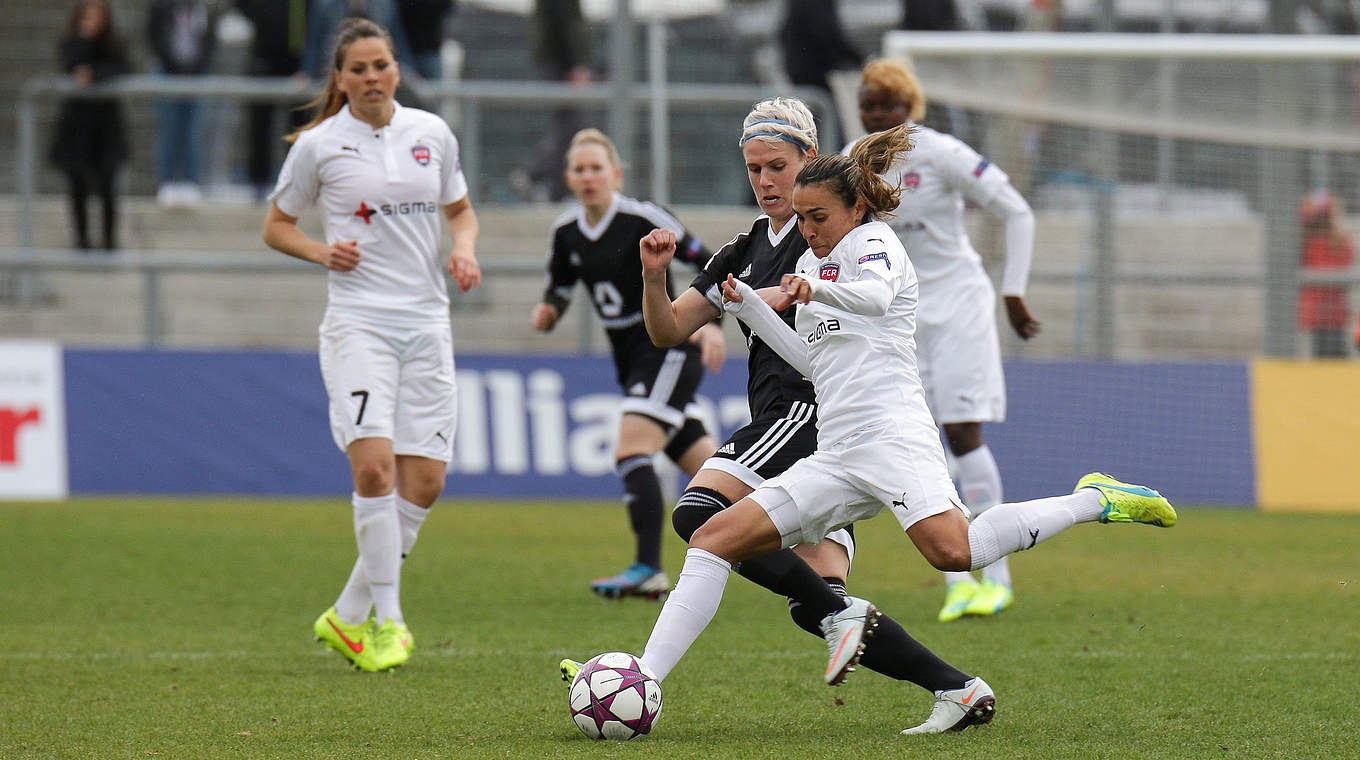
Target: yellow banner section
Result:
[1306, 430]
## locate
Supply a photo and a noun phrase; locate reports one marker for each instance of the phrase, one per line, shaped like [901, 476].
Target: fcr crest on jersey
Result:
[421, 154]
[911, 181]
[829, 271]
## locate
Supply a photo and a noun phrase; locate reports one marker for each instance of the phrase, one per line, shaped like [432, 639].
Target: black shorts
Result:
[661, 385]
[768, 445]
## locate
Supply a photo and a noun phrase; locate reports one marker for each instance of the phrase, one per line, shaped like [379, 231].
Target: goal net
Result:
[1177, 180]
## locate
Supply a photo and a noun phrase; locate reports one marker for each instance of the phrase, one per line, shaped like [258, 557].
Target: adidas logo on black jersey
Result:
[728, 448]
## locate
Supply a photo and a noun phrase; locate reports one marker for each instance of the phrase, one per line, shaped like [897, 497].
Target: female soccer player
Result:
[382, 174]
[778, 138]
[957, 350]
[877, 445]
[595, 241]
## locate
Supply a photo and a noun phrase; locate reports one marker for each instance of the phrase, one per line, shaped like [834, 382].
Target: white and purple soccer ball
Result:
[615, 696]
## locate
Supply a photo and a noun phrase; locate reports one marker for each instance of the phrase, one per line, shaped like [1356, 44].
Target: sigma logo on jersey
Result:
[875, 257]
[421, 154]
[824, 329]
[404, 208]
[981, 167]
[829, 271]
[911, 181]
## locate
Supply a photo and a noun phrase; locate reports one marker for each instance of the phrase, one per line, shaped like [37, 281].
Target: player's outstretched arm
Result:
[669, 323]
[750, 308]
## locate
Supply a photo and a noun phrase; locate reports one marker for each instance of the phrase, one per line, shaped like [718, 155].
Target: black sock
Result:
[643, 493]
[891, 650]
[782, 572]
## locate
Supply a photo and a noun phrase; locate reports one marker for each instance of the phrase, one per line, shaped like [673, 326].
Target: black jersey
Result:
[760, 259]
[605, 258]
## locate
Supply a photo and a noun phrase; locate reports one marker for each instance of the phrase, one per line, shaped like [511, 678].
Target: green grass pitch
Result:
[180, 628]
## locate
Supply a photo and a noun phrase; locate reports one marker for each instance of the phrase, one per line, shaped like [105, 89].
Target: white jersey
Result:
[861, 351]
[385, 188]
[936, 176]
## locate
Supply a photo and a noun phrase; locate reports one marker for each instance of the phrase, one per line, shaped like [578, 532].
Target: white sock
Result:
[378, 534]
[1015, 527]
[356, 599]
[689, 607]
[951, 577]
[980, 488]
[411, 516]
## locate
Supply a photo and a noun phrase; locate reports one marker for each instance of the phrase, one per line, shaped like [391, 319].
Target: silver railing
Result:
[469, 96]
[153, 266]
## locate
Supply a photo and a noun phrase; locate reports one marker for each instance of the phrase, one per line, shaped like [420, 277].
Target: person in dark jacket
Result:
[815, 44]
[91, 142]
[423, 22]
[275, 51]
[559, 40]
[183, 36]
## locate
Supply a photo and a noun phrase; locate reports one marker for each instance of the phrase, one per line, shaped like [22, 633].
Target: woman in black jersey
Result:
[595, 242]
[778, 139]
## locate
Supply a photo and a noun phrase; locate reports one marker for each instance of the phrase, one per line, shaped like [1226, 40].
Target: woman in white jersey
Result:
[957, 349]
[778, 138]
[877, 445]
[382, 176]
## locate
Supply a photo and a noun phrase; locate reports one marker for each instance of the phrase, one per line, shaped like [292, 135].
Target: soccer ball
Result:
[615, 696]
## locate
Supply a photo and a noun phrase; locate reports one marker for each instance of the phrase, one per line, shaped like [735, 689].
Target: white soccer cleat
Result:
[957, 709]
[845, 632]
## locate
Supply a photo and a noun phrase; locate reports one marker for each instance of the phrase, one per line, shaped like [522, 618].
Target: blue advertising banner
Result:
[248, 422]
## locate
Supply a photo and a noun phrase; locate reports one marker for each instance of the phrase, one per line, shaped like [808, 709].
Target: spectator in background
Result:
[183, 35]
[323, 26]
[423, 22]
[815, 44]
[1323, 309]
[90, 141]
[930, 15]
[561, 47]
[275, 51]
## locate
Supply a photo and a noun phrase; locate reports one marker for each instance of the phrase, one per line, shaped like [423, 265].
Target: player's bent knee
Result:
[950, 556]
[695, 507]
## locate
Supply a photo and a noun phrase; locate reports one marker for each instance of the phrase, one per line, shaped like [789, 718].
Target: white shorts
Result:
[394, 383]
[959, 360]
[897, 465]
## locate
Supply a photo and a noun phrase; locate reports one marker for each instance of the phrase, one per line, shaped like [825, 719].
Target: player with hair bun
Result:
[957, 349]
[778, 139]
[877, 444]
[595, 242]
[382, 175]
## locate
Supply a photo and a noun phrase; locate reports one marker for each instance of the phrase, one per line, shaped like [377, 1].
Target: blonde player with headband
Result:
[957, 349]
[778, 139]
[383, 175]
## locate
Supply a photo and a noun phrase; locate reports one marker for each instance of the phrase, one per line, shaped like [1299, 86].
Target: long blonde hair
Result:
[330, 100]
[856, 177]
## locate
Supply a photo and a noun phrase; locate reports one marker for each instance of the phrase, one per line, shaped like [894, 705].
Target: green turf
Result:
[181, 629]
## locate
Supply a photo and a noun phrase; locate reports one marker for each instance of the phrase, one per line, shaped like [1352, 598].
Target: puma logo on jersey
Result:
[351, 148]
[823, 329]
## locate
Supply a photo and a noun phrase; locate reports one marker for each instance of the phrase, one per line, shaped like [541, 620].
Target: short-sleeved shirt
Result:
[760, 258]
[604, 257]
[384, 188]
[936, 176]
